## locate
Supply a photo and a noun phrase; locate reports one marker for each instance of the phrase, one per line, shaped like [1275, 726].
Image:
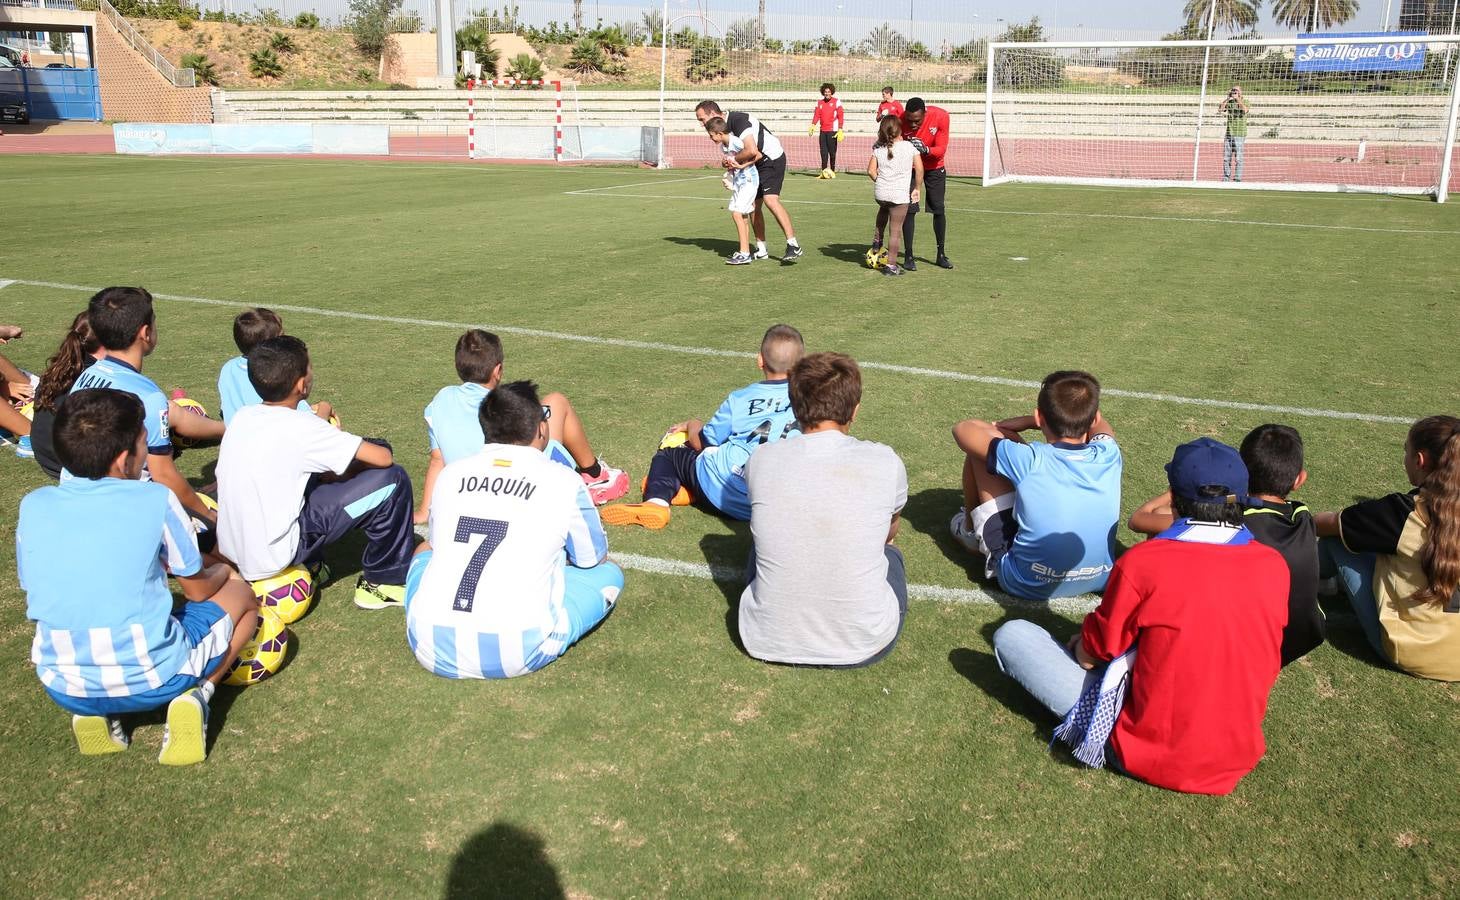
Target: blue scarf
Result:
[1087, 726]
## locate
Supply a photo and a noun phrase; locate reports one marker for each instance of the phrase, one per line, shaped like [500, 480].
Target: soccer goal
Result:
[510, 118]
[1373, 113]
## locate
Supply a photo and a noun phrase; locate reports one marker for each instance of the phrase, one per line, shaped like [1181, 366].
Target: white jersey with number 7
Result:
[504, 523]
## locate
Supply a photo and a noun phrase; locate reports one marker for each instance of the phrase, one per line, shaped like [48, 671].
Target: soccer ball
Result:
[673, 439]
[188, 404]
[876, 257]
[27, 409]
[334, 420]
[287, 594]
[264, 654]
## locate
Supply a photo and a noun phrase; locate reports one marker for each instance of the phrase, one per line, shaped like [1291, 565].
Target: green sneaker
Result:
[99, 735]
[369, 595]
[185, 742]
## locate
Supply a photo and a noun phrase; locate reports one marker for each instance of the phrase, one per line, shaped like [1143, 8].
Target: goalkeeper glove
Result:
[811, 129]
[840, 134]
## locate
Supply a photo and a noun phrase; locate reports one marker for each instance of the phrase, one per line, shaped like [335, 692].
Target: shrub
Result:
[202, 67]
[587, 57]
[268, 17]
[524, 67]
[306, 20]
[611, 40]
[184, 23]
[706, 62]
[828, 45]
[264, 63]
[774, 45]
[405, 23]
[281, 42]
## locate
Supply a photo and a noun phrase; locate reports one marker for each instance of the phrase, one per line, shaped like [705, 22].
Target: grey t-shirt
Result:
[820, 508]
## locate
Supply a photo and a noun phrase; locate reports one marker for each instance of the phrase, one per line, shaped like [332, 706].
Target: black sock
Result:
[940, 229]
[592, 471]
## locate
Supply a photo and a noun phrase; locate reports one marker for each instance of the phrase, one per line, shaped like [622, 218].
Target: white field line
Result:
[1071, 606]
[1306, 412]
[1190, 220]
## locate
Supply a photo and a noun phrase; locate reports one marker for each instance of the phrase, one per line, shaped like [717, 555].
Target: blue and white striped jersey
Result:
[452, 425]
[504, 523]
[90, 554]
[754, 415]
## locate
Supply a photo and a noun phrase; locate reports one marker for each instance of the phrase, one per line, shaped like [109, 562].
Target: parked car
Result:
[58, 66]
[13, 109]
[10, 57]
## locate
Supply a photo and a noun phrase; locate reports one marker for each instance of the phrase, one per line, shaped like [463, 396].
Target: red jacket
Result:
[1207, 622]
[888, 108]
[829, 115]
[934, 135]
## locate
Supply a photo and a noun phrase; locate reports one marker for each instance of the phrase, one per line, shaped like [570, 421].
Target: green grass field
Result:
[656, 759]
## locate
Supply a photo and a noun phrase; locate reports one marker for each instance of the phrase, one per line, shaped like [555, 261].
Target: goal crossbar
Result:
[1351, 125]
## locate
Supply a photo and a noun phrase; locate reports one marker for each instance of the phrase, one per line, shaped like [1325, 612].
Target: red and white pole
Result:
[471, 118]
[558, 124]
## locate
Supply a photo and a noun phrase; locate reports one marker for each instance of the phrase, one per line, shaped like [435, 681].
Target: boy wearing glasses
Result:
[515, 571]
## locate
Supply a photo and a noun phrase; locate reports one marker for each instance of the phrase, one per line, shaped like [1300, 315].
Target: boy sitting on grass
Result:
[742, 180]
[517, 568]
[1273, 455]
[1043, 515]
[93, 554]
[454, 428]
[290, 484]
[250, 328]
[710, 463]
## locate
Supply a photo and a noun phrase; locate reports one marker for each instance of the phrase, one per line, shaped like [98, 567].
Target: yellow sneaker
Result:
[650, 515]
[99, 735]
[682, 497]
[185, 743]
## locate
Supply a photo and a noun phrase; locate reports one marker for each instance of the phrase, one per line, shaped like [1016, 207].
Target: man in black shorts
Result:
[764, 148]
[928, 126]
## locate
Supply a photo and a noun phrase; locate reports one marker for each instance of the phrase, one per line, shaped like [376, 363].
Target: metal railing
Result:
[69, 5]
[178, 77]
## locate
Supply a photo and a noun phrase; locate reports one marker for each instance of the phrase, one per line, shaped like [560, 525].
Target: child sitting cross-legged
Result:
[710, 463]
[94, 553]
[454, 428]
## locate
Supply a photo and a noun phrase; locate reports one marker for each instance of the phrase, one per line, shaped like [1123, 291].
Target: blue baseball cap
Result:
[1207, 470]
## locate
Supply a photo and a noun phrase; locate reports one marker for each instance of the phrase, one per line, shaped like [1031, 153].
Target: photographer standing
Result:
[1235, 109]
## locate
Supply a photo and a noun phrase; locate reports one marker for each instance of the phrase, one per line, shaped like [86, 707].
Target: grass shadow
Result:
[503, 861]
[719, 246]
[929, 512]
[855, 254]
[727, 556]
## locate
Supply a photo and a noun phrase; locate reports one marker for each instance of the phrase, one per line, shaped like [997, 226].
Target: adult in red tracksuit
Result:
[929, 126]
[830, 119]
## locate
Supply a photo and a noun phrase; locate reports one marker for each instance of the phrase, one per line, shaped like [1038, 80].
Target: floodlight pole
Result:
[663, 70]
[1201, 103]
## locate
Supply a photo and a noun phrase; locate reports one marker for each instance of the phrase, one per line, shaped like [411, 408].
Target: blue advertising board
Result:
[294, 140]
[1398, 55]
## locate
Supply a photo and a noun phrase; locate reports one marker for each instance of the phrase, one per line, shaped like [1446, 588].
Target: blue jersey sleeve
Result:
[432, 440]
[179, 540]
[721, 426]
[159, 435]
[1012, 459]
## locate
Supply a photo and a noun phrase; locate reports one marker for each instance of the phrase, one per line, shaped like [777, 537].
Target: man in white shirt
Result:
[516, 568]
[827, 587]
[290, 484]
[762, 147]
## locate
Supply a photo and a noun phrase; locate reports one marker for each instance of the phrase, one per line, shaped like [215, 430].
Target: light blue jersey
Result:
[235, 391]
[740, 178]
[754, 415]
[452, 426]
[1067, 504]
[90, 554]
[115, 373]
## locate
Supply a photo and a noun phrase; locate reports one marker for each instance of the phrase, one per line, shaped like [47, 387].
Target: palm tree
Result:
[653, 23]
[760, 26]
[578, 16]
[1314, 14]
[1232, 15]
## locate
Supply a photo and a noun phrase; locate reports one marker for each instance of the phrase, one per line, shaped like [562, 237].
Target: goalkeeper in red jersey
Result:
[927, 126]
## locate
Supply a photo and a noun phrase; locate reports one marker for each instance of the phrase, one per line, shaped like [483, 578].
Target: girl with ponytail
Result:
[79, 349]
[896, 167]
[1398, 557]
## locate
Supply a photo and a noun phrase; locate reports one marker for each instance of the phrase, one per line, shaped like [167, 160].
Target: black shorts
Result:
[772, 175]
[935, 187]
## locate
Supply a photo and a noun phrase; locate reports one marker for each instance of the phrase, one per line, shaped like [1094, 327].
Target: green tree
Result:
[477, 37]
[742, 35]
[653, 21]
[1232, 15]
[1029, 32]
[263, 63]
[368, 20]
[524, 67]
[884, 41]
[587, 56]
[306, 20]
[1313, 15]
[578, 16]
[202, 66]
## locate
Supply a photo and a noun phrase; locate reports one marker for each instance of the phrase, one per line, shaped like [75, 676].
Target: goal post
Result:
[1373, 113]
[504, 121]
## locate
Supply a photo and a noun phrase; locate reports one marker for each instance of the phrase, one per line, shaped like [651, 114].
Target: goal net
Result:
[1315, 112]
[508, 118]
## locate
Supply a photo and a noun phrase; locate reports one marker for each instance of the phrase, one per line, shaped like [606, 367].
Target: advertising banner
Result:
[1399, 55]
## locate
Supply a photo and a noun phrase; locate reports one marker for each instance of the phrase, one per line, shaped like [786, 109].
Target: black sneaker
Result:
[891, 269]
[793, 251]
[908, 265]
[943, 262]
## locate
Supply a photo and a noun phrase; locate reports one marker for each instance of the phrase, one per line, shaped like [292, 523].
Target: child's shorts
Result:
[207, 628]
[995, 526]
[742, 198]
